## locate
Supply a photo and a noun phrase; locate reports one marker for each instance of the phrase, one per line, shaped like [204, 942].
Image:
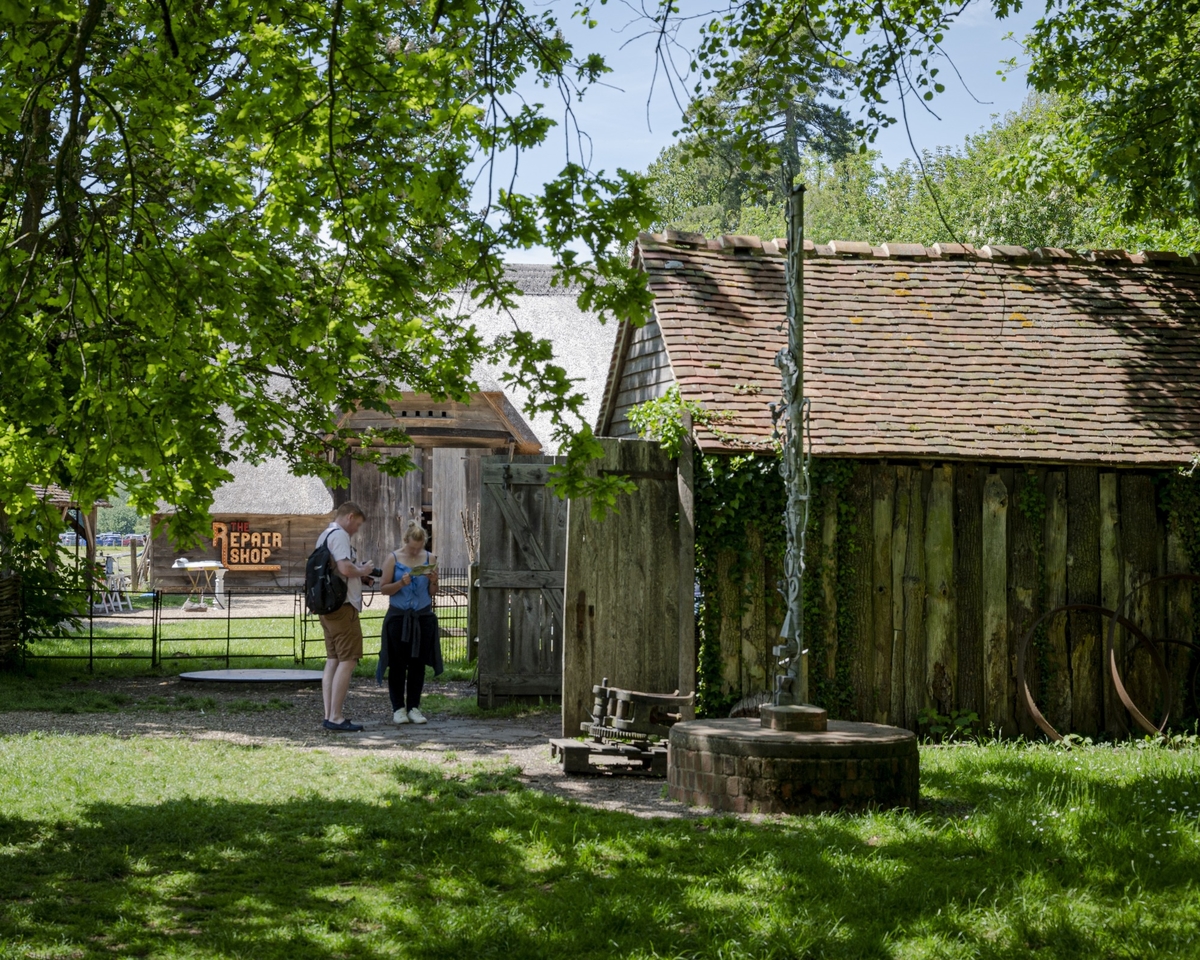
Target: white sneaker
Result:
[401, 716]
[416, 716]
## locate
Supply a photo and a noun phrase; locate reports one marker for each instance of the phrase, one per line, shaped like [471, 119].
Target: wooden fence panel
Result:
[622, 573]
[522, 556]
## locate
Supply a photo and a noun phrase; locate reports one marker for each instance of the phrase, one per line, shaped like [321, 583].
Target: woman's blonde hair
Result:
[413, 531]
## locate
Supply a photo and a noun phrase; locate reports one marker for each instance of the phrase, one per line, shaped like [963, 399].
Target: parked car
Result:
[69, 539]
[108, 539]
[138, 538]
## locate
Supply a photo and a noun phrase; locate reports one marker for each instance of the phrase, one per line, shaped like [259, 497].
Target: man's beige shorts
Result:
[343, 634]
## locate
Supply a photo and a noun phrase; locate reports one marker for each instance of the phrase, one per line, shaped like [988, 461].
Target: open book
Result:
[423, 569]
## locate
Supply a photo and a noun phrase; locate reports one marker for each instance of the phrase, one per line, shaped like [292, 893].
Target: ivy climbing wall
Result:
[922, 579]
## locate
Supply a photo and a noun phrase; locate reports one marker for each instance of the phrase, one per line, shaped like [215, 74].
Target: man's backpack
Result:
[324, 590]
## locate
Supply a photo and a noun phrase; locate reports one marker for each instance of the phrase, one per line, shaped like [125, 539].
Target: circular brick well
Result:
[746, 766]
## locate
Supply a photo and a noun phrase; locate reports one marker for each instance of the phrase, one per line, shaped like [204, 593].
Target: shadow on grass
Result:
[455, 862]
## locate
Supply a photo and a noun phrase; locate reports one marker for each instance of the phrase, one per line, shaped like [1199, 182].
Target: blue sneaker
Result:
[344, 727]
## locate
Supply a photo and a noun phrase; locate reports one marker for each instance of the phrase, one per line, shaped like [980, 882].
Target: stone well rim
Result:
[745, 736]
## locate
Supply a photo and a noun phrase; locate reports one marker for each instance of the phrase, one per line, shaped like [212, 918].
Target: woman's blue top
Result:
[416, 595]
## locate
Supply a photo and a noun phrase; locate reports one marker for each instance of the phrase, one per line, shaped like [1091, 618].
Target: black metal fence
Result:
[233, 625]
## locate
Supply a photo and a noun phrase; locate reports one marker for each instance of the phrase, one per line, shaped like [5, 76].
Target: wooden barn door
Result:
[387, 501]
[629, 583]
[522, 552]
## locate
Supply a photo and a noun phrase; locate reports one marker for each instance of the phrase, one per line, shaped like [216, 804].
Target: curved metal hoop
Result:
[1035, 714]
[1110, 655]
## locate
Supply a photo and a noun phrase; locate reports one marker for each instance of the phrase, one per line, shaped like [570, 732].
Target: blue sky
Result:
[633, 116]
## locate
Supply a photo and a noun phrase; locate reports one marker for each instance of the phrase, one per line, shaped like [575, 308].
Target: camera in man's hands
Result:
[376, 572]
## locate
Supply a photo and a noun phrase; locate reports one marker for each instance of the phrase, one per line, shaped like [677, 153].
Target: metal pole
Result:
[791, 683]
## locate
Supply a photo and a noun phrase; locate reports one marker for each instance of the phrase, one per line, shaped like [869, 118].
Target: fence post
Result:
[91, 602]
[154, 605]
[472, 611]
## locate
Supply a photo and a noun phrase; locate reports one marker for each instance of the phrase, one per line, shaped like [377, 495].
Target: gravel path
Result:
[522, 740]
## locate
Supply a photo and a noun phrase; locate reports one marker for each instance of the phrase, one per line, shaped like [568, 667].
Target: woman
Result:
[410, 629]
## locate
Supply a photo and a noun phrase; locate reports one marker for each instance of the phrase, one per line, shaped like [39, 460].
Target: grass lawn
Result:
[167, 848]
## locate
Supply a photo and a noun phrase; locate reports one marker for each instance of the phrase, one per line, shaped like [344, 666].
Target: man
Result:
[343, 632]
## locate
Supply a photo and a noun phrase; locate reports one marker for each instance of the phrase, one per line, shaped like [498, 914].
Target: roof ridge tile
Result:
[741, 245]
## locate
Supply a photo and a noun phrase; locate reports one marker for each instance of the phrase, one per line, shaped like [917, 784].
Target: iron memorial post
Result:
[791, 683]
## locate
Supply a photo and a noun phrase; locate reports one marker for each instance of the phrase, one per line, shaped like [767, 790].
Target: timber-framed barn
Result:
[268, 508]
[1009, 417]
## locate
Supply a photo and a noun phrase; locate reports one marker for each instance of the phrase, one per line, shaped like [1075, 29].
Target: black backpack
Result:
[324, 590]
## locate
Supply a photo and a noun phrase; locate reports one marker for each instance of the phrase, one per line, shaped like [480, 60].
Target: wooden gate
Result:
[522, 553]
[629, 582]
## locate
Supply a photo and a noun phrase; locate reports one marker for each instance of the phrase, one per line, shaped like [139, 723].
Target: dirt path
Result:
[168, 708]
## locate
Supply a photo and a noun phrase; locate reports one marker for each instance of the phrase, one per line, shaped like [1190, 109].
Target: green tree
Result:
[954, 194]
[1127, 70]
[266, 209]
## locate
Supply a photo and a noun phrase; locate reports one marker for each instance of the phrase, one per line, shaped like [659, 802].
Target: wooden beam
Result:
[914, 596]
[1083, 586]
[883, 484]
[685, 481]
[1180, 623]
[860, 552]
[897, 710]
[829, 601]
[1111, 590]
[1025, 533]
[941, 663]
[1139, 550]
[1057, 705]
[995, 604]
[969, 479]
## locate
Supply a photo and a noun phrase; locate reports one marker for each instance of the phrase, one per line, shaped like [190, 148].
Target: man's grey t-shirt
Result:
[340, 548]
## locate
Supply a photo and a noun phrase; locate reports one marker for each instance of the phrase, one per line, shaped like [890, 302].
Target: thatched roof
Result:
[271, 487]
[582, 344]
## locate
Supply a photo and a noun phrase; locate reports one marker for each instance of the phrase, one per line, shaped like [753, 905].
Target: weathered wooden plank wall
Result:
[945, 568]
[622, 586]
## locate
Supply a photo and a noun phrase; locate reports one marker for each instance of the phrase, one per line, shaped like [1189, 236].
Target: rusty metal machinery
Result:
[1117, 618]
[628, 726]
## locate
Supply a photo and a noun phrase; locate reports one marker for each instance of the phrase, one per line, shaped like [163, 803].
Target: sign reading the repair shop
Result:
[245, 549]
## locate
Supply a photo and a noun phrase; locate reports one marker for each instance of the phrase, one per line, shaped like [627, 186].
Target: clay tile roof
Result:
[1005, 353]
[56, 496]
